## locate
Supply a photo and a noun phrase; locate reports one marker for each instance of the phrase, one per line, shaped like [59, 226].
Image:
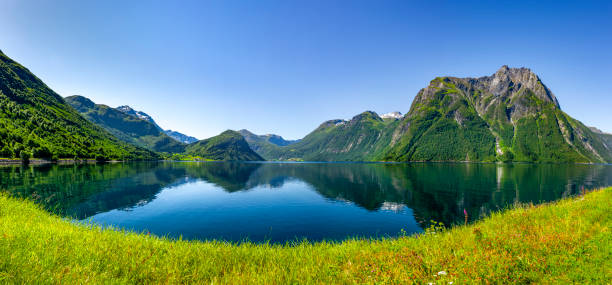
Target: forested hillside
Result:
[37, 122]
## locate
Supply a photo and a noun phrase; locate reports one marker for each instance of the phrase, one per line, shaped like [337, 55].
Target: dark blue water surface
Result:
[281, 202]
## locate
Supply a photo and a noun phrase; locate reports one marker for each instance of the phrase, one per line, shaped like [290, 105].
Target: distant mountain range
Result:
[363, 138]
[508, 116]
[131, 126]
[263, 144]
[138, 128]
[144, 116]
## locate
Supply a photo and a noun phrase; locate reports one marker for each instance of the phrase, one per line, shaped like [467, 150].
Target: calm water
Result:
[288, 201]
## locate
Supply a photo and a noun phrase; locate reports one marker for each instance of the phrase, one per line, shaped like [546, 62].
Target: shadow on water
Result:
[431, 191]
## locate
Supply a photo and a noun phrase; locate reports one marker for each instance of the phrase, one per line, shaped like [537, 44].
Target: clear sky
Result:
[283, 67]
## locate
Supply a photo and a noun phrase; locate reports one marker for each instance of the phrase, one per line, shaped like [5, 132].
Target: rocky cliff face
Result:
[511, 84]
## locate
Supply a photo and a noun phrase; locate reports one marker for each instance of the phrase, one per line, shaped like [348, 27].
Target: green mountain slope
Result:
[36, 121]
[363, 138]
[509, 116]
[605, 137]
[229, 145]
[131, 129]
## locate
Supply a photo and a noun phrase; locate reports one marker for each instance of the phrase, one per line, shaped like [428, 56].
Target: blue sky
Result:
[283, 67]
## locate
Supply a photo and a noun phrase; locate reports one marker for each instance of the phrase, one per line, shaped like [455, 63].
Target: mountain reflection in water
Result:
[412, 194]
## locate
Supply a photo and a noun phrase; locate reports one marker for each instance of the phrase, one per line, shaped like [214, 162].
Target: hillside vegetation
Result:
[37, 122]
[562, 242]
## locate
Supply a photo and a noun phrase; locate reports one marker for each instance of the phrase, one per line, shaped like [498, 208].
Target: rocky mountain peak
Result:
[138, 114]
[125, 109]
[516, 75]
[332, 123]
[366, 115]
[83, 101]
[512, 81]
[246, 132]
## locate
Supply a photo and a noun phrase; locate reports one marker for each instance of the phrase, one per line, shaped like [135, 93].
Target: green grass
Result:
[563, 242]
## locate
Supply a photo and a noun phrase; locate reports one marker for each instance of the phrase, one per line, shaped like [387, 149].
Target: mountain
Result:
[180, 137]
[508, 116]
[269, 138]
[364, 137]
[229, 145]
[36, 121]
[606, 137]
[263, 144]
[138, 129]
[144, 116]
[278, 140]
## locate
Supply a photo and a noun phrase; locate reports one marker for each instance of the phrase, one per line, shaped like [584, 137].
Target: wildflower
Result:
[442, 273]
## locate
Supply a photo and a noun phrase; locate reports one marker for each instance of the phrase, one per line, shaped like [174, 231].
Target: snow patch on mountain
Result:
[392, 115]
[138, 114]
[180, 137]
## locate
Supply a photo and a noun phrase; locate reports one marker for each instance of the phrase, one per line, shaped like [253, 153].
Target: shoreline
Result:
[61, 161]
[7, 161]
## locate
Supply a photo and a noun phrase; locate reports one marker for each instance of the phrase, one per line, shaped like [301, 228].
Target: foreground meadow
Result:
[565, 241]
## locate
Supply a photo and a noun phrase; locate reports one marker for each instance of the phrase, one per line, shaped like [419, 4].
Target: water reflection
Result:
[428, 191]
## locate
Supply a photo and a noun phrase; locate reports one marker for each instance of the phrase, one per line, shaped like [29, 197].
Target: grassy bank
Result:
[567, 241]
